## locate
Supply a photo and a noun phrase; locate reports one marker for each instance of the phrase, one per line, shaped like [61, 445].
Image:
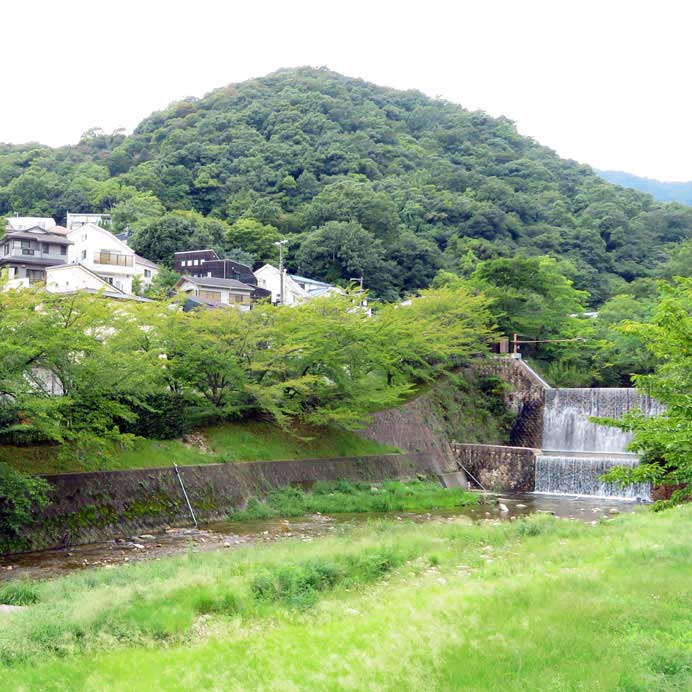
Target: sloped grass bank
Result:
[231, 442]
[539, 604]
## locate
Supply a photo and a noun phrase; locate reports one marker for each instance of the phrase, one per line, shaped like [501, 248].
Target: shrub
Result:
[20, 495]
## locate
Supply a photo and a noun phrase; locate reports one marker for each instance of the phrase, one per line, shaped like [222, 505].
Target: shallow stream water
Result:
[226, 535]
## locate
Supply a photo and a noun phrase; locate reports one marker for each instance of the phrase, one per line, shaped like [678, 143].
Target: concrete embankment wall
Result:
[93, 507]
[414, 427]
[499, 468]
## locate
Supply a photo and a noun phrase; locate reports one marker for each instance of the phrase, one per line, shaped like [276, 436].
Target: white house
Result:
[216, 292]
[66, 278]
[79, 220]
[113, 260]
[146, 270]
[296, 289]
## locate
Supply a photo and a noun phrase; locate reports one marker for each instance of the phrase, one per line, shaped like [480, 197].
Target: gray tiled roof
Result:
[217, 283]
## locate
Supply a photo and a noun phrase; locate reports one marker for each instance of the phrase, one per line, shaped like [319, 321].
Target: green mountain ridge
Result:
[660, 190]
[364, 180]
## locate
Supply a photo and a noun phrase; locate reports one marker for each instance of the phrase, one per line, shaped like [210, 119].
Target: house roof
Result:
[93, 226]
[20, 223]
[39, 234]
[109, 287]
[196, 252]
[146, 262]
[305, 279]
[216, 283]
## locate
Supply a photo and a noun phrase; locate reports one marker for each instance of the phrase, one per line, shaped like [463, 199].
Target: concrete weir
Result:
[557, 448]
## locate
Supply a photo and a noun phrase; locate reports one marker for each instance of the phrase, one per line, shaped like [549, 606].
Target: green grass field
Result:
[338, 497]
[539, 604]
[230, 442]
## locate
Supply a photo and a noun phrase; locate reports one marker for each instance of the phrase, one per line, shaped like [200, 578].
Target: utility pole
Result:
[281, 244]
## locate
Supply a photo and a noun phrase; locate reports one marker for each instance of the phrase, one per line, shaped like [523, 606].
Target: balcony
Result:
[113, 259]
[16, 255]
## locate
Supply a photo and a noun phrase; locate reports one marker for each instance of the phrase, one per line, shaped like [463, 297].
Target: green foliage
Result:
[665, 441]
[532, 297]
[256, 239]
[473, 408]
[424, 180]
[342, 496]
[20, 495]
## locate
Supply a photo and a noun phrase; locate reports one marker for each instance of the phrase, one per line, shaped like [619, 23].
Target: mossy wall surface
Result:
[93, 507]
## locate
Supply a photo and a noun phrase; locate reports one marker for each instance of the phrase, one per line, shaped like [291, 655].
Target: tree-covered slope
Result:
[662, 191]
[391, 185]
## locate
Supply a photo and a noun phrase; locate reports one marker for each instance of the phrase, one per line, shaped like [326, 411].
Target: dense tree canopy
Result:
[665, 441]
[427, 183]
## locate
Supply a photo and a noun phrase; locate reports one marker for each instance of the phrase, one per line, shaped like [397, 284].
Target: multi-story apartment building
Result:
[27, 250]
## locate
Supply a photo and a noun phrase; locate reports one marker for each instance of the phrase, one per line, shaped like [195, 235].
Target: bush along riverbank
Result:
[344, 497]
[389, 606]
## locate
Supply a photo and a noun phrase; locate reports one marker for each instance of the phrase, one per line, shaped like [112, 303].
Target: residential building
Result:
[24, 223]
[146, 270]
[207, 263]
[113, 260]
[68, 278]
[214, 292]
[314, 288]
[79, 220]
[27, 250]
[295, 289]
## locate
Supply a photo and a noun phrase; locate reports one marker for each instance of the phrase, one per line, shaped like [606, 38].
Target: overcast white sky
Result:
[606, 83]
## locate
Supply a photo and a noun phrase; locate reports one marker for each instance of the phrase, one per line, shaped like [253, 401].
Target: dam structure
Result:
[577, 452]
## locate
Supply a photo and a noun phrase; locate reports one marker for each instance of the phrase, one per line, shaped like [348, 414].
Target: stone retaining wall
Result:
[526, 398]
[499, 468]
[93, 507]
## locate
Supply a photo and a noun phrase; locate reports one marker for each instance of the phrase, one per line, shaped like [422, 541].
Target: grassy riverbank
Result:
[344, 497]
[540, 604]
[231, 442]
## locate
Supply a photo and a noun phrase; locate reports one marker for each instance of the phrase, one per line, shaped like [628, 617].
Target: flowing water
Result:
[577, 452]
[229, 535]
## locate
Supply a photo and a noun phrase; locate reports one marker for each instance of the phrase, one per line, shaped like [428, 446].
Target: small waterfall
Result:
[572, 474]
[578, 452]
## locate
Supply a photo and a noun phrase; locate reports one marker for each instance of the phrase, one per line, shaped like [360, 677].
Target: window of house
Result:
[83, 254]
[214, 296]
[147, 273]
[63, 250]
[45, 248]
[195, 262]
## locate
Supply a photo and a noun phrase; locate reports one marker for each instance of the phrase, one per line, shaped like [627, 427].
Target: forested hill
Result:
[663, 192]
[391, 185]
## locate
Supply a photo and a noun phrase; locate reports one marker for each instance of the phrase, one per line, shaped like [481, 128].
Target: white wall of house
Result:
[269, 277]
[78, 220]
[66, 278]
[105, 255]
[146, 271]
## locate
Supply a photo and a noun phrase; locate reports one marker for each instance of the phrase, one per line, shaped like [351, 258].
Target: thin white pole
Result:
[187, 499]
